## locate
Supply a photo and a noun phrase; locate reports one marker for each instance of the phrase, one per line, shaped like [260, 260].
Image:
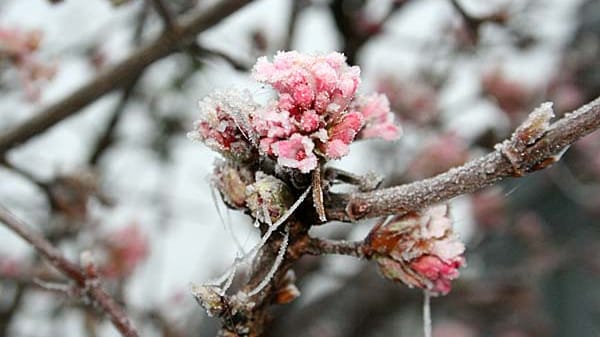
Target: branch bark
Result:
[471, 176]
[87, 284]
[120, 74]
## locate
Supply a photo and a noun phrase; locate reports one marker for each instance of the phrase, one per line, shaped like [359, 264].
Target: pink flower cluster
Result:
[316, 112]
[126, 249]
[19, 48]
[420, 250]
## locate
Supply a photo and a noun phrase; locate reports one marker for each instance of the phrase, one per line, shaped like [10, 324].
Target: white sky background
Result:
[193, 246]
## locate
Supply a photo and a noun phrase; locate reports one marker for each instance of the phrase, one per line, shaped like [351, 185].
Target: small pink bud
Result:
[419, 249]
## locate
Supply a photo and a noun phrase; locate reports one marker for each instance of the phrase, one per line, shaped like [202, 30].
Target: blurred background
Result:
[120, 178]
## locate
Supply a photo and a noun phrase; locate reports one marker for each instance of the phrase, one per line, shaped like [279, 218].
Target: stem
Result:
[88, 285]
[471, 176]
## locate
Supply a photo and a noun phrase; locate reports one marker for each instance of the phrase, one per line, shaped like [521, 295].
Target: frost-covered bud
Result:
[210, 299]
[224, 125]
[231, 180]
[419, 249]
[379, 120]
[342, 134]
[303, 80]
[268, 194]
[296, 152]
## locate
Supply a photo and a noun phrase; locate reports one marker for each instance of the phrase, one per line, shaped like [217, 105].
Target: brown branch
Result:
[318, 246]
[471, 176]
[165, 14]
[87, 283]
[106, 138]
[121, 73]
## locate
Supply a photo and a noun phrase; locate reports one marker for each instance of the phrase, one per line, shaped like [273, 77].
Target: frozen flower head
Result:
[315, 115]
[223, 125]
[320, 82]
[419, 249]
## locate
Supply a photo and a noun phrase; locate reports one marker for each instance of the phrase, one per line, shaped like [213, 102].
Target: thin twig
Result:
[45, 187]
[106, 138]
[165, 14]
[88, 286]
[121, 73]
[469, 177]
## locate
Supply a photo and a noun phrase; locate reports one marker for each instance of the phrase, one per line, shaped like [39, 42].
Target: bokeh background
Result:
[120, 178]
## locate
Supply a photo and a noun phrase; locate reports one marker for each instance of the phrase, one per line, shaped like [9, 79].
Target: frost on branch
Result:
[419, 249]
[532, 129]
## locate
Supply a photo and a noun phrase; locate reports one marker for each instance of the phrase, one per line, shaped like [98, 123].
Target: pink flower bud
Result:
[224, 124]
[419, 249]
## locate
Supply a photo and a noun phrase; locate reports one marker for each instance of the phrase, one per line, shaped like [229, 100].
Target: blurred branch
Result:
[107, 137]
[7, 315]
[350, 21]
[200, 51]
[86, 281]
[165, 14]
[120, 74]
[297, 7]
[473, 23]
[509, 160]
[45, 187]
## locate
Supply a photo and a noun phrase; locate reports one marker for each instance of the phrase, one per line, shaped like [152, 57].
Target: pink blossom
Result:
[342, 134]
[305, 78]
[297, 152]
[419, 249]
[126, 248]
[19, 48]
[379, 120]
[314, 113]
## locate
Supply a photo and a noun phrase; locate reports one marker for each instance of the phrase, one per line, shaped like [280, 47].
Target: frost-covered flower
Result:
[379, 120]
[224, 125]
[316, 113]
[314, 93]
[296, 152]
[419, 249]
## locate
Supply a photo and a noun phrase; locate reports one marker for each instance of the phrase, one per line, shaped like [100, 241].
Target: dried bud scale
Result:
[210, 299]
[268, 193]
[232, 179]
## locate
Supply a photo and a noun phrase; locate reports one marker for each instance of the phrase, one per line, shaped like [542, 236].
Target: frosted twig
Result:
[224, 222]
[249, 255]
[216, 282]
[281, 220]
[267, 214]
[228, 282]
[426, 314]
[276, 264]
[543, 145]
